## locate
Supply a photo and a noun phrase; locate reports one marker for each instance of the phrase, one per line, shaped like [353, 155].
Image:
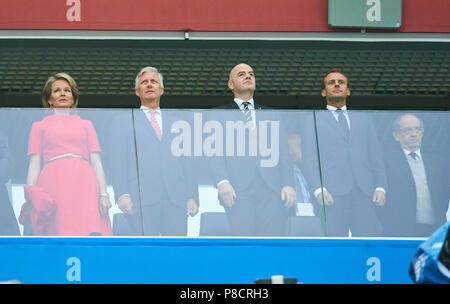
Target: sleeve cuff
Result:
[318, 191]
[381, 189]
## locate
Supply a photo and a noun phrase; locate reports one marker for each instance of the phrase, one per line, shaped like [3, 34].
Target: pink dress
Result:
[70, 181]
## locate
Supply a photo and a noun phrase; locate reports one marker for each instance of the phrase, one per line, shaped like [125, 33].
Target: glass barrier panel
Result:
[213, 173]
[122, 171]
[14, 130]
[309, 219]
[351, 172]
[167, 182]
[373, 185]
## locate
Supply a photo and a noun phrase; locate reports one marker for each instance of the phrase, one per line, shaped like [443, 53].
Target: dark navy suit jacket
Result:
[399, 214]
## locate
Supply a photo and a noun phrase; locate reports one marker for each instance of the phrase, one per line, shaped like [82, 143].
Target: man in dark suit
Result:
[257, 196]
[8, 222]
[157, 187]
[343, 163]
[418, 181]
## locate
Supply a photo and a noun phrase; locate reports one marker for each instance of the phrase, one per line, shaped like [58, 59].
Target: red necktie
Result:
[155, 124]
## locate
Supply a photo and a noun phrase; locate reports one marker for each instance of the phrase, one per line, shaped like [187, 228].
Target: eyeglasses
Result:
[409, 131]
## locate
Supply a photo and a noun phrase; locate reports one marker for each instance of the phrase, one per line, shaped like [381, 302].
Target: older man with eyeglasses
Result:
[418, 182]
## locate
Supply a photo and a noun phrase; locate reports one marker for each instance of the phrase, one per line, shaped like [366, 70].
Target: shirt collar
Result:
[331, 108]
[239, 102]
[407, 152]
[144, 108]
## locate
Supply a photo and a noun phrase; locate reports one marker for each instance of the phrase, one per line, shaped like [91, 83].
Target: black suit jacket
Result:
[156, 169]
[241, 170]
[399, 214]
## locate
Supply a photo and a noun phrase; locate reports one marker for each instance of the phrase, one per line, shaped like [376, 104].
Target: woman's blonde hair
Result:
[47, 90]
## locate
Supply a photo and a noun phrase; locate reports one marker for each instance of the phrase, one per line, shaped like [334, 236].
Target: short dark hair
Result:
[335, 70]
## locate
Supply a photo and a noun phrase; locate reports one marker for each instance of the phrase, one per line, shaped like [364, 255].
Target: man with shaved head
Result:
[418, 197]
[257, 199]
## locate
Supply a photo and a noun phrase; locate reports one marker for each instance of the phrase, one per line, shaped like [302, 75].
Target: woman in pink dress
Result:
[65, 165]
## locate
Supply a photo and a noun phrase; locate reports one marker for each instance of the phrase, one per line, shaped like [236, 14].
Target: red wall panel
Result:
[202, 15]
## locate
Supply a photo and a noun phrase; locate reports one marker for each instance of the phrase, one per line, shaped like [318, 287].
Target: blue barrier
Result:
[103, 260]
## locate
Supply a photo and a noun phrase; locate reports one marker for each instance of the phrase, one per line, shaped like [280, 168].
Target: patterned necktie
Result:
[343, 122]
[413, 155]
[155, 124]
[248, 113]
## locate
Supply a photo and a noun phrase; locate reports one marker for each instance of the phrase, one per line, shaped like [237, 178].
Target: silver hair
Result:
[148, 69]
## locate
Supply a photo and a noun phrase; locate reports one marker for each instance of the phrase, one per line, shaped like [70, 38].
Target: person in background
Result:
[301, 185]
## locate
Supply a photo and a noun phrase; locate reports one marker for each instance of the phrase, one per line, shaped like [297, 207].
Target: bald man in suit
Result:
[257, 198]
